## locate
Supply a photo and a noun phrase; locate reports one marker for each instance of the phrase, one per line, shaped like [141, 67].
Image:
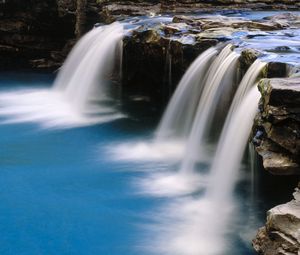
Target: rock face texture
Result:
[278, 126]
[156, 56]
[33, 33]
[111, 10]
[281, 235]
[154, 62]
[39, 33]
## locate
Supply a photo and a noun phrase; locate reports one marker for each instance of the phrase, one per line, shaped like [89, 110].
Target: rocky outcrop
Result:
[156, 56]
[281, 235]
[39, 34]
[34, 33]
[277, 138]
[154, 62]
[116, 9]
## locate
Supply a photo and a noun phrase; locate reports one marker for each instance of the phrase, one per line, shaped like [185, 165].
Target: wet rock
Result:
[276, 70]
[116, 9]
[278, 120]
[248, 56]
[276, 160]
[155, 59]
[281, 235]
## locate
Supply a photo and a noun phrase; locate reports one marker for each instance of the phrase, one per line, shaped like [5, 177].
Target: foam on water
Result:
[147, 151]
[48, 108]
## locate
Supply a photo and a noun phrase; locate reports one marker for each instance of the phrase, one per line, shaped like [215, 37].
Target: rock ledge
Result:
[281, 235]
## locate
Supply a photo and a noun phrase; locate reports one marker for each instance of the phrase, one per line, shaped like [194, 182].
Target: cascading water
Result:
[247, 82]
[220, 78]
[230, 150]
[193, 225]
[88, 64]
[234, 136]
[78, 95]
[178, 117]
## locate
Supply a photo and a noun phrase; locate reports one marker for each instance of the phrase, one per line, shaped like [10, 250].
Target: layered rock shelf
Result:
[113, 10]
[39, 35]
[278, 135]
[281, 235]
[27, 40]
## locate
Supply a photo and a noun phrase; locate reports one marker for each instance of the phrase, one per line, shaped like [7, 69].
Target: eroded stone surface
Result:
[278, 138]
[281, 234]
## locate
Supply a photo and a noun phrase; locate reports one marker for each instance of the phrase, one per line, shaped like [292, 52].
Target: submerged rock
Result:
[281, 234]
[279, 125]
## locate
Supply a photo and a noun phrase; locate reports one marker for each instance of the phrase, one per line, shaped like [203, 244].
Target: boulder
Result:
[281, 234]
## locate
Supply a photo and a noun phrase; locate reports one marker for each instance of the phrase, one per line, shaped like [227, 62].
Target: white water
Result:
[175, 124]
[88, 66]
[248, 81]
[221, 78]
[178, 117]
[72, 100]
[231, 147]
[192, 224]
[200, 226]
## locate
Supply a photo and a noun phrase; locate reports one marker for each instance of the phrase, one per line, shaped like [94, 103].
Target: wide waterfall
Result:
[231, 147]
[92, 162]
[198, 225]
[179, 115]
[221, 78]
[78, 96]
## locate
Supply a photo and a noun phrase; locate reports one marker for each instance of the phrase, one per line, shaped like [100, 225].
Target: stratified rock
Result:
[33, 30]
[278, 125]
[155, 60]
[281, 235]
[115, 9]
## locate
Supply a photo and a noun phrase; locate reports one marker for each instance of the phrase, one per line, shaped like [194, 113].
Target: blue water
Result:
[58, 194]
[62, 193]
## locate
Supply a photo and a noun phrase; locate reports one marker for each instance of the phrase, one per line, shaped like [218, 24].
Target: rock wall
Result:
[153, 64]
[40, 33]
[277, 136]
[33, 33]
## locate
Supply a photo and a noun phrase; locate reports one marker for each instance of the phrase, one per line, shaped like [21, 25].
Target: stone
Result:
[276, 160]
[31, 30]
[248, 56]
[281, 234]
[155, 60]
[278, 124]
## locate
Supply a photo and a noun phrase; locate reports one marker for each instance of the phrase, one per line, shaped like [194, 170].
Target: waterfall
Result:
[233, 139]
[88, 64]
[220, 78]
[247, 82]
[178, 117]
[231, 148]
[78, 97]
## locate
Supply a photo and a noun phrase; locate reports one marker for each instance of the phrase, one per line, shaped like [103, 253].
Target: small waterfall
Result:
[78, 96]
[88, 64]
[231, 148]
[178, 117]
[247, 82]
[221, 76]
